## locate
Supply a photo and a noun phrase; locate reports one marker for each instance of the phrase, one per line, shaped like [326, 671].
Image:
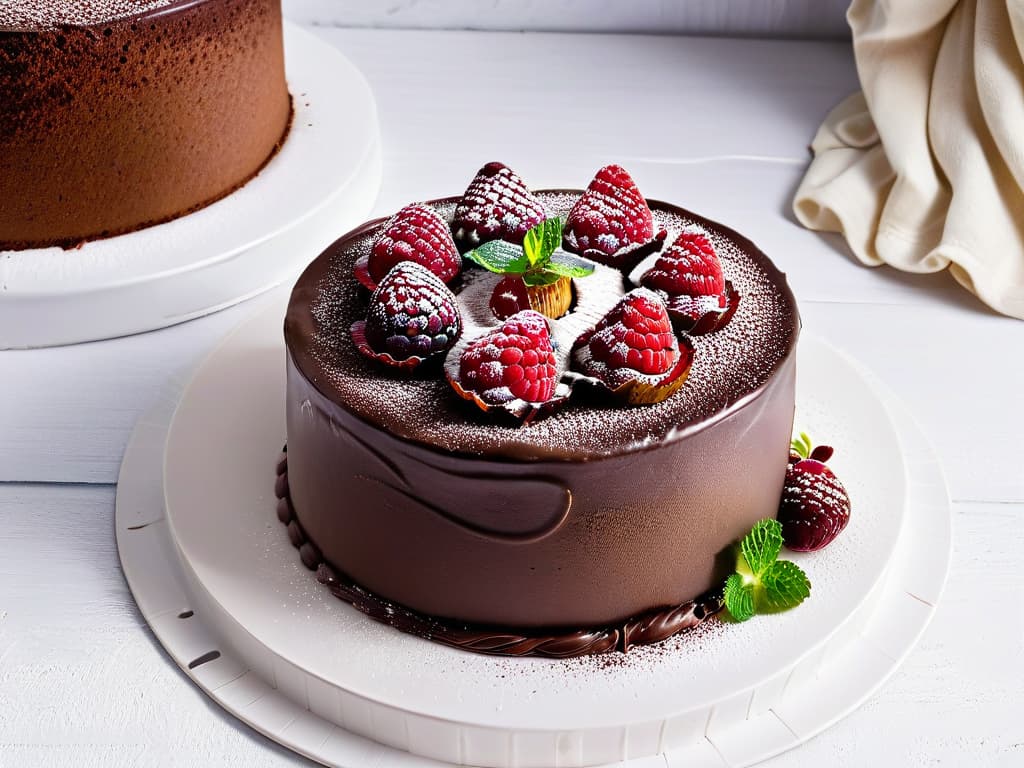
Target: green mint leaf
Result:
[541, 241]
[569, 265]
[785, 585]
[739, 598]
[537, 277]
[762, 545]
[802, 445]
[501, 257]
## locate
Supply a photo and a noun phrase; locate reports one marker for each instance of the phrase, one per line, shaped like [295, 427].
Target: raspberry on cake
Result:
[497, 205]
[416, 233]
[412, 317]
[688, 275]
[611, 220]
[634, 352]
[512, 367]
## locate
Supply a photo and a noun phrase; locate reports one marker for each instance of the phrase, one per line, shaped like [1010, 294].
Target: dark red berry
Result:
[635, 339]
[815, 507]
[418, 234]
[412, 316]
[509, 297]
[515, 361]
[610, 217]
[497, 205]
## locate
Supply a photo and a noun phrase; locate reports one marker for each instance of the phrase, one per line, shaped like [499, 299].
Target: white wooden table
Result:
[717, 125]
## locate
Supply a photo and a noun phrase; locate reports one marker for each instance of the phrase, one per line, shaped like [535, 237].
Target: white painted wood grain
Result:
[786, 18]
[82, 682]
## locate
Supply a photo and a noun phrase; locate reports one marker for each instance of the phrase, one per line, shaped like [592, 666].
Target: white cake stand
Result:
[222, 588]
[322, 183]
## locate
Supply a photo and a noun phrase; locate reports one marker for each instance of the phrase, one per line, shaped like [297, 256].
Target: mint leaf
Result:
[785, 585]
[762, 545]
[801, 445]
[763, 584]
[739, 598]
[569, 265]
[541, 277]
[501, 257]
[541, 241]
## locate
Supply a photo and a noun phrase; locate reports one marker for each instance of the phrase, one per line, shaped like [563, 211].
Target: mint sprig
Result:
[763, 583]
[801, 445]
[539, 261]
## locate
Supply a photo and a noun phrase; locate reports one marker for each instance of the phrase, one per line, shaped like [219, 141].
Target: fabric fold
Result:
[924, 168]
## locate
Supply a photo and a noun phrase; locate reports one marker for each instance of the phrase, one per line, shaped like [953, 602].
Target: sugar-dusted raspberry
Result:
[413, 316]
[815, 507]
[513, 362]
[418, 234]
[497, 205]
[634, 339]
[610, 218]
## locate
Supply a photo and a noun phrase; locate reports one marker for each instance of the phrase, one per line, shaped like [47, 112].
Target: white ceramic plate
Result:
[322, 183]
[311, 672]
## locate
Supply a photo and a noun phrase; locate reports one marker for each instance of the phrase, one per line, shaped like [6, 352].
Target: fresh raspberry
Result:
[412, 315]
[510, 296]
[416, 233]
[610, 216]
[515, 361]
[688, 267]
[496, 205]
[815, 507]
[632, 341]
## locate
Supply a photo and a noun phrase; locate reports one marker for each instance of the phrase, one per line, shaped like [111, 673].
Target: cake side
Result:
[534, 543]
[107, 129]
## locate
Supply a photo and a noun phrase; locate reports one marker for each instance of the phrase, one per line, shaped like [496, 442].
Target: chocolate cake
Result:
[119, 114]
[591, 519]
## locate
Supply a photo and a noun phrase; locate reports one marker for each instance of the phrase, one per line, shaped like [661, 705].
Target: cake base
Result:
[225, 592]
[324, 180]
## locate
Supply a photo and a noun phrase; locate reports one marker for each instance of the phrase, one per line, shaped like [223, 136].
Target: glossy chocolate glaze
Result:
[652, 627]
[116, 116]
[590, 517]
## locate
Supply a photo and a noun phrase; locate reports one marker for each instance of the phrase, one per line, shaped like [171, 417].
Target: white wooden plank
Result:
[786, 18]
[67, 412]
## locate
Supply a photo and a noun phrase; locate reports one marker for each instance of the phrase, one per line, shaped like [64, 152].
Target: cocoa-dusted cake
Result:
[119, 114]
[533, 449]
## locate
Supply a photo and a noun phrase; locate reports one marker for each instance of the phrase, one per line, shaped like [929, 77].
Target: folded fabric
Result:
[924, 168]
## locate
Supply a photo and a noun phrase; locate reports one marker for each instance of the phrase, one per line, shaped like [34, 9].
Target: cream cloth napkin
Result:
[924, 168]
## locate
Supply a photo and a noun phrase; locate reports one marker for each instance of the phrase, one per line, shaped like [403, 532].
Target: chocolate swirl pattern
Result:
[649, 628]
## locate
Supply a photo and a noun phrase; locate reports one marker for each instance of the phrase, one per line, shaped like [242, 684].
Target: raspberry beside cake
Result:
[119, 114]
[513, 483]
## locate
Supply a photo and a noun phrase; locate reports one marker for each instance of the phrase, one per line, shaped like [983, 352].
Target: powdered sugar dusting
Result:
[49, 14]
[728, 365]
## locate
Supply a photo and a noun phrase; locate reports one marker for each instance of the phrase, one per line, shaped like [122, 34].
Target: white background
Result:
[784, 18]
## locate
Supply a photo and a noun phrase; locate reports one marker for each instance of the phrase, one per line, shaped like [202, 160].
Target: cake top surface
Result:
[730, 365]
[51, 14]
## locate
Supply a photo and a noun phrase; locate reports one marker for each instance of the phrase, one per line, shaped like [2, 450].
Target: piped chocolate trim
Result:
[648, 628]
